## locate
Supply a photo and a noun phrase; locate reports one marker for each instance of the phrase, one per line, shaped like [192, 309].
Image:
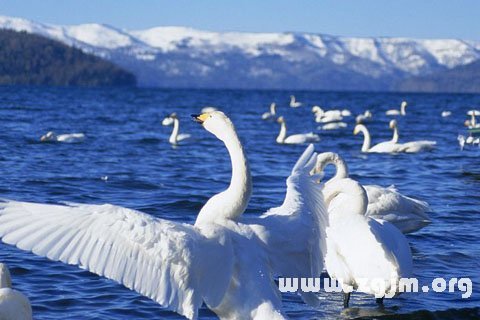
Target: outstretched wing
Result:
[294, 233]
[168, 262]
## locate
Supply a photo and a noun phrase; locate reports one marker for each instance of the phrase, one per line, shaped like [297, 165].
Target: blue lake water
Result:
[126, 142]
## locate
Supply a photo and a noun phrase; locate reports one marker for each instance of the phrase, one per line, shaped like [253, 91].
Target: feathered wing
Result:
[406, 213]
[294, 233]
[168, 262]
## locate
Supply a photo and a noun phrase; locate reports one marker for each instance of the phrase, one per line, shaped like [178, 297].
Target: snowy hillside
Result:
[185, 57]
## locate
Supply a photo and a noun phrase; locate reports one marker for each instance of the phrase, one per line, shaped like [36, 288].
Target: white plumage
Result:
[175, 136]
[271, 114]
[362, 252]
[395, 112]
[294, 103]
[407, 214]
[66, 137]
[223, 260]
[299, 138]
[14, 305]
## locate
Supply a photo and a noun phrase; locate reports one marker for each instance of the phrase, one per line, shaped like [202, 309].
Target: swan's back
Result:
[417, 146]
[14, 305]
[302, 138]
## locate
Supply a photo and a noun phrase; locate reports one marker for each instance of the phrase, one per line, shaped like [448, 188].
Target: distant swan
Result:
[364, 117]
[175, 137]
[334, 126]
[322, 113]
[413, 146]
[407, 214]
[294, 103]
[446, 113]
[226, 261]
[295, 138]
[67, 137]
[14, 305]
[361, 251]
[383, 147]
[272, 114]
[395, 112]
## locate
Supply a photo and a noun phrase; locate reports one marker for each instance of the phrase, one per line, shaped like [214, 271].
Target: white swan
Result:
[407, 214]
[295, 138]
[66, 137]
[334, 126]
[383, 147]
[319, 112]
[363, 254]
[446, 113]
[175, 137]
[413, 146]
[14, 305]
[272, 114]
[208, 109]
[364, 117]
[294, 103]
[395, 112]
[328, 118]
[472, 123]
[225, 261]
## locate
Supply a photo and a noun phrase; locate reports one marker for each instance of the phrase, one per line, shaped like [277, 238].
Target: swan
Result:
[364, 117]
[175, 137]
[208, 109]
[14, 305]
[334, 126]
[295, 138]
[472, 123]
[319, 112]
[446, 113]
[383, 147]
[328, 118]
[395, 112]
[66, 137]
[224, 260]
[364, 254]
[413, 146]
[405, 213]
[294, 103]
[272, 114]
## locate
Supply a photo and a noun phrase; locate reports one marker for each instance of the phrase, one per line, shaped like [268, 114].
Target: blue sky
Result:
[409, 18]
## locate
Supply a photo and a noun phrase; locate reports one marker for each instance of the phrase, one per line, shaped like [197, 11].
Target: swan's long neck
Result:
[231, 203]
[272, 109]
[396, 136]
[5, 279]
[354, 199]
[341, 169]
[366, 139]
[402, 109]
[283, 133]
[473, 121]
[176, 129]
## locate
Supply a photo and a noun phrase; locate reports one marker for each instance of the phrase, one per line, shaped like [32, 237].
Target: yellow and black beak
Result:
[200, 118]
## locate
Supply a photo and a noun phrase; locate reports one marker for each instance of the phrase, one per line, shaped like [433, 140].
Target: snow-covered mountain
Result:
[185, 57]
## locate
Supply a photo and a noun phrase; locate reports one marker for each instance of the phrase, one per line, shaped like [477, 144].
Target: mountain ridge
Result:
[171, 56]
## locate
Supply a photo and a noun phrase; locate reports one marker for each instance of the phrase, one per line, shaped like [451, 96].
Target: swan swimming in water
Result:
[405, 213]
[295, 138]
[395, 112]
[66, 137]
[413, 146]
[364, 117]
[319, 112]
[446, 113]
[363, 254]
[14, 305]
[294, 103]
[175, 137]
[334, 126]
[272, 114]
[383, 147]
[224, 260]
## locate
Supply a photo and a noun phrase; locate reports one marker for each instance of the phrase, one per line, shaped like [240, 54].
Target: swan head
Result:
[215, 122]
[281, 119]
[392, 124]
[358, 128]
[169, 119]
[5, 278]
[404, 104]
[49, 136]
[317, 109]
